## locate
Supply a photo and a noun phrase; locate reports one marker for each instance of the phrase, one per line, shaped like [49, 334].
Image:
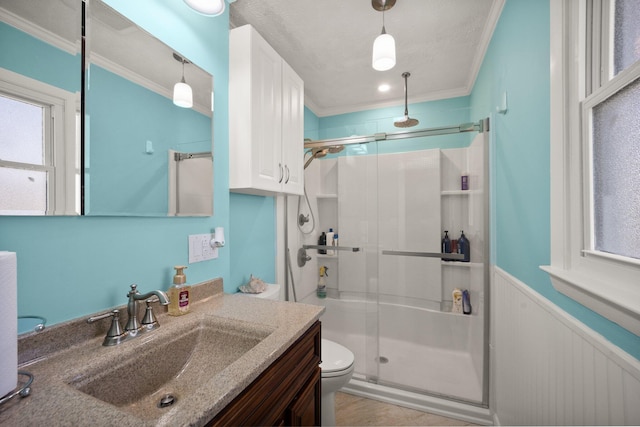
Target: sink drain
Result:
[382, 360]
[167, 400]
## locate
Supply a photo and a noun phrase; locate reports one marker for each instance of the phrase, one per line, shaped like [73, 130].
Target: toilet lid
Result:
[335, 357]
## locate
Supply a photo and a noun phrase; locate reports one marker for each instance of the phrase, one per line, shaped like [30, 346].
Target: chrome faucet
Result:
[133, 326]
[116, 335]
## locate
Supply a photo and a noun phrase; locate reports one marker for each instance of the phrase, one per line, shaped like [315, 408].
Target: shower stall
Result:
[390, 284]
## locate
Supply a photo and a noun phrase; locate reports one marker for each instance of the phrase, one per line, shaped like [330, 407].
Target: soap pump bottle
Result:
[446, 245]
[179, 293]
[322, 283]
[330, 242]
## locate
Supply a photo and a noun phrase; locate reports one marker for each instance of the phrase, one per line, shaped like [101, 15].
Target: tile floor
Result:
[358, 411]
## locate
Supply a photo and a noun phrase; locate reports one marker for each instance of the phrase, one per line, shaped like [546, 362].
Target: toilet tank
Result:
[272, 292]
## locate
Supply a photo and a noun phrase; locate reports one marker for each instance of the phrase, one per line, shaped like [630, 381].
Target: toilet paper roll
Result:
[9, 322]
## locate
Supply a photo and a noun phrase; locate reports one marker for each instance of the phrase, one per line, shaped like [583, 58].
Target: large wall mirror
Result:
[143, 154]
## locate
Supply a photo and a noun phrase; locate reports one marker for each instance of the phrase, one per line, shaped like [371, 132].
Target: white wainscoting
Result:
[550, 369]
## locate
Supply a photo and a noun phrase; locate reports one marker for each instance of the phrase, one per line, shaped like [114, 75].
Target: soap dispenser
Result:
[179, 293]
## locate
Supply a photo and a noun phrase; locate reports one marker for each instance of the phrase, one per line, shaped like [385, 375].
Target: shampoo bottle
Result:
[179, 293]
[463, 247]
[330, 242]
[322, 241]
[322, 283]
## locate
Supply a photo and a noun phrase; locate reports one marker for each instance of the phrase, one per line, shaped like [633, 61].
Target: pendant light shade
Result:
[182, 95]
[384, 46]
[207, 7]
[384, 52]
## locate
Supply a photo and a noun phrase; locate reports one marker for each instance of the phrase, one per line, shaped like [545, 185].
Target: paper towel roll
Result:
[9, 322]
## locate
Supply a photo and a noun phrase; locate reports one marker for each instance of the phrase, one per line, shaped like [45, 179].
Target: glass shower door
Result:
[425, 344]
[358, 281]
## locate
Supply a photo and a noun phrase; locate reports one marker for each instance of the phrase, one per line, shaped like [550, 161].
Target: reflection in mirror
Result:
[40, 72]
[132, 124]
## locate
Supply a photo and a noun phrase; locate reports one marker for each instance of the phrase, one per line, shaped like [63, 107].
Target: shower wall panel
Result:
[409, 220]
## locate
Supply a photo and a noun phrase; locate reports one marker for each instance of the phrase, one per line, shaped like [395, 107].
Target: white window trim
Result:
[63, 198]
[608, 285]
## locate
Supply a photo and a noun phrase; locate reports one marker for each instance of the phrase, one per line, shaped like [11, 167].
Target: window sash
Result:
[618, 83]
[602, 282]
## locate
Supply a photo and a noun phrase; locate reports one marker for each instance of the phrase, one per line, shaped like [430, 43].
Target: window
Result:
[39, 152]
[595, 156]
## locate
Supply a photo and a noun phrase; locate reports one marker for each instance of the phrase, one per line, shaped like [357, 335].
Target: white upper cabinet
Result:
[266, 118]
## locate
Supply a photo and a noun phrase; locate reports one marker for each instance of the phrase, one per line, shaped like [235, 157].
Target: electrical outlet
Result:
[200, 249]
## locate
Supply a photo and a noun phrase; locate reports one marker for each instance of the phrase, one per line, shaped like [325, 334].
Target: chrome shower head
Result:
[406, 122]
[317, 153]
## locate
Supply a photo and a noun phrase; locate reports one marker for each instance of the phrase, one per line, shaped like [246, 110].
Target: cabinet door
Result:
[292, 131]
[266, 116]
[305, 410]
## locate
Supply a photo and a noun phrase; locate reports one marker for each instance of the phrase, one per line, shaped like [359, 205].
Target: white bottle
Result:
[330, 242]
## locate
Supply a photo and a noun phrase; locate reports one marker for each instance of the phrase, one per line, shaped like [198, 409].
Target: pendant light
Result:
[384, 46]
[182, 93]
[207, 7]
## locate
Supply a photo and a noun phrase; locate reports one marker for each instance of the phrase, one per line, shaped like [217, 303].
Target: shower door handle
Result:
[335, 248]
[424, 254]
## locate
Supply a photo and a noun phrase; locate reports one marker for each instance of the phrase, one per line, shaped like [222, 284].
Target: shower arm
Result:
[480, 126]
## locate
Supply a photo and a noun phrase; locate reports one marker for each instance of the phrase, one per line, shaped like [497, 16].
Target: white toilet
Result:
[336, 366]
[337, 369]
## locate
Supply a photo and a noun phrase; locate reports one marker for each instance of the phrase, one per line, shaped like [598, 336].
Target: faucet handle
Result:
[149, 321]
[115, 335]
[133, 290]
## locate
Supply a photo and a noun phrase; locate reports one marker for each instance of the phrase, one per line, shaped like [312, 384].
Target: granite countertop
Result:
[61, 355]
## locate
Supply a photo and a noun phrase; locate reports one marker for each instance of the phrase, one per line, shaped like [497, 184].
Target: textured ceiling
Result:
[440, 42]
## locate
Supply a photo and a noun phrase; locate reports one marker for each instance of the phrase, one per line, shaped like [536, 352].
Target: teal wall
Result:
[253, 224]
[44, 63]
[120, 176]
[72, 266]
[517, 62]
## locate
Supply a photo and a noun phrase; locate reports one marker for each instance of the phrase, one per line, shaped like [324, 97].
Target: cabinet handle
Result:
[286, 168]
[281, 173]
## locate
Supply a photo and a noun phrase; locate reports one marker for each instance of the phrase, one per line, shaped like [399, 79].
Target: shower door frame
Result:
[482, 126]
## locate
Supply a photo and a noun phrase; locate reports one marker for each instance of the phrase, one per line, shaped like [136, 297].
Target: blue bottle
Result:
[466, 302]
[464, 248]
[446, 245]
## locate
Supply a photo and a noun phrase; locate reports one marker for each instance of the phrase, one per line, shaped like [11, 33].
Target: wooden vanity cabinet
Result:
[286, 393]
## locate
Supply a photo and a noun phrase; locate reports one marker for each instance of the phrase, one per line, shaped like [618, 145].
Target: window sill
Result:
[618, 304]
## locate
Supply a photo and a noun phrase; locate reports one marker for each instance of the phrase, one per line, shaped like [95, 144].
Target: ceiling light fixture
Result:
[182, 93]
[207, 7]
[384, 46]
[384, 87]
